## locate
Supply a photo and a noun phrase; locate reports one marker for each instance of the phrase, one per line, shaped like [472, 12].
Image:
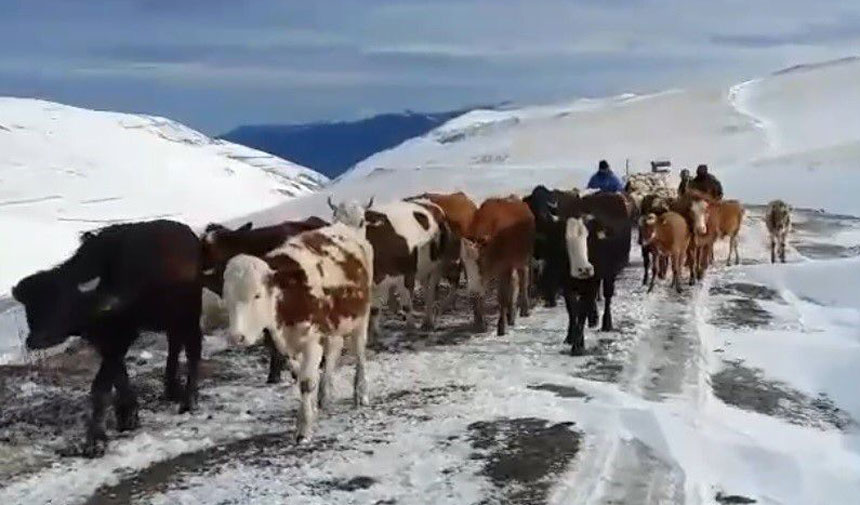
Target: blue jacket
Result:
[605, 181]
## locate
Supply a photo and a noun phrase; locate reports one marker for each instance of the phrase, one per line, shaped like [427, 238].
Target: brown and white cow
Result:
[411, 244]
[498, 247]
[459, 210]
[778, 220]
[219, 244]
[669, 236]
[310, 295]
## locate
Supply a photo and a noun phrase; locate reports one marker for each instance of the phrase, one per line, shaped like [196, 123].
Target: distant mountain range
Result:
[332, 148]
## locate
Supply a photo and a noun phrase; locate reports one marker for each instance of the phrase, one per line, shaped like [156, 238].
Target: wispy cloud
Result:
[215, 63]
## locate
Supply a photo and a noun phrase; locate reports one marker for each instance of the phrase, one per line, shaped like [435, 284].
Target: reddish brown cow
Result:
[731, 215]
[670, 237]
[498, 245]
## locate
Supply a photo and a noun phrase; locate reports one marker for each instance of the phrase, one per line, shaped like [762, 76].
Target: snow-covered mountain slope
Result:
[64, 170]
[761, 136]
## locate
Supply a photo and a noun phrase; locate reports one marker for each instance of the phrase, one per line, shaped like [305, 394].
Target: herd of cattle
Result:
[307, 288]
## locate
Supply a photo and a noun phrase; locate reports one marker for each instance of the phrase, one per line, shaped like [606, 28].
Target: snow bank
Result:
[65, 170]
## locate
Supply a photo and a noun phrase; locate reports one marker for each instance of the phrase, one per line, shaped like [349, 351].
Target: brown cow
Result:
[498, 245]
[731, 215]
[220, 244]
[670, 237]
[312, 295]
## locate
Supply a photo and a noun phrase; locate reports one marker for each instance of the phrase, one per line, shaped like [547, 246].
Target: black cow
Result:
[589, 246]
[122, 279]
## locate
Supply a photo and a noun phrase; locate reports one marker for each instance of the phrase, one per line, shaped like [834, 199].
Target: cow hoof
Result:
[127, 418]
[274, 379]
[188, 405]
[427, 326]
[606, 327]
[303, 438]
[592, 322]
[360, 401]
[173, 392]
[577, 351]
[95, 445]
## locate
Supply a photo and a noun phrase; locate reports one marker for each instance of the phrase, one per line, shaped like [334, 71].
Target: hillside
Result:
[332, 148]
[760, 136]
[64, 170]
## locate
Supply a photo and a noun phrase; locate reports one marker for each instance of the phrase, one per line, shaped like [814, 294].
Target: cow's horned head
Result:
[349, 212]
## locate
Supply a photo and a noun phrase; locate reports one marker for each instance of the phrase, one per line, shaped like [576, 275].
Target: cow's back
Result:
[152, 269]
[507, 227]
[459, 210]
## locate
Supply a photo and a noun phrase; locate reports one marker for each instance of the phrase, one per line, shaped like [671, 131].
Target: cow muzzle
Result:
[583, 272]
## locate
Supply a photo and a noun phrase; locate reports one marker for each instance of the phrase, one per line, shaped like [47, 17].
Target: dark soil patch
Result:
[562, 391]
[748, 389]
[736, 313]
[755, 291]
[522, 457]
[733, 499]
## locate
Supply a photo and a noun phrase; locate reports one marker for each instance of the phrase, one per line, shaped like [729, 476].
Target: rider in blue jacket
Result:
[605, 179]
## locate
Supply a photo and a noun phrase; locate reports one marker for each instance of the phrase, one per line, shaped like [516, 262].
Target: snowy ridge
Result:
[785, 125]
[64, 170]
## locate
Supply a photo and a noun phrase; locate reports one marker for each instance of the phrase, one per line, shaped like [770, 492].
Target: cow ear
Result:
[370, 203]
[90, 285]
[587, 218]
[245, 227]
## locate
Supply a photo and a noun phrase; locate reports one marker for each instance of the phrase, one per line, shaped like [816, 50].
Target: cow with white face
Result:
[311, 296]
[412, 245]
[587, 250]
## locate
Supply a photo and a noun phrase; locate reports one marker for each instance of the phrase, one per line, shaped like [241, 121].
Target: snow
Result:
[64, 170]
[760, 137]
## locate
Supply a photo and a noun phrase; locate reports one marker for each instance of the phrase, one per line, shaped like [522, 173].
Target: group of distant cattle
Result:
[308, 288]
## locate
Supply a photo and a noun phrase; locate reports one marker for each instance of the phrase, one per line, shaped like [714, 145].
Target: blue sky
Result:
[215, 64]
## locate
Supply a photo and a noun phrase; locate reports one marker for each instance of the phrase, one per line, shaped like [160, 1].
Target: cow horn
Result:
[369, 203]
[330, 204]
[90, 285]
[245, 227]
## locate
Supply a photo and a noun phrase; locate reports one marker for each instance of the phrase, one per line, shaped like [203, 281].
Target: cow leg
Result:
[599, 296]
[100, 392]
[172, 385]
[782, 240]
[608, 293]
[359, 348]
[276, 361]
[570, 306]
[430, 301]
[193, 348]
[583, 311]
[514, 294]
[504, 301]
[524, 298]
[478, 321]
[654, 267]
[308, 385]
[125, 404]
[772, 249]
[333, 349]
[676, 271]
[404, 291]
[646, 264]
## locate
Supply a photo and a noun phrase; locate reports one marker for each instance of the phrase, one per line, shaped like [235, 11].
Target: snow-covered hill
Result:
[761, 136]
[65, 169]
